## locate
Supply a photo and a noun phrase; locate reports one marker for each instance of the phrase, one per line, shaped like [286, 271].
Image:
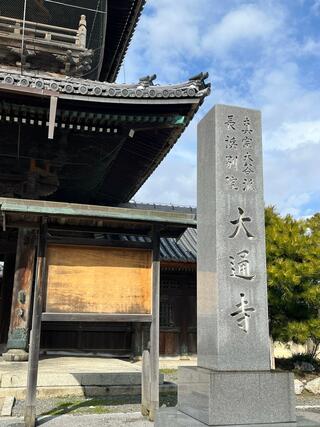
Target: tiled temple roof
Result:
[141, 121]
[180, 250]
[194, 88]
[119, 37]
[183, 249]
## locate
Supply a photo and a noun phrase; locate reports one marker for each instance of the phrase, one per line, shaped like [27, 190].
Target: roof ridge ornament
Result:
[70, 86]
[200, 78]
[147, 80]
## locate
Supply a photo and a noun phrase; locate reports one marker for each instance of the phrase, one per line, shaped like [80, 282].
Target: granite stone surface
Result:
[231, 398]
[171, 417]
[232, 286]
[232, 384]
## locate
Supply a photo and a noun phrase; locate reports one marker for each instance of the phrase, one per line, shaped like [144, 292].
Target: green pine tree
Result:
[293, 266]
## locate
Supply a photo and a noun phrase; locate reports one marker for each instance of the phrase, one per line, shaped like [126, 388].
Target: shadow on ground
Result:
[104, 405]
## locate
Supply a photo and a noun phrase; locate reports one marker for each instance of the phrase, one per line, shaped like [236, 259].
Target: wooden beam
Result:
[22, 290]
[103, 229]
[145, 384]
[95, 317]
[29, 91]
[38, 25]
[109, 213]
[100, 242]
[52, 116]
[154, 332]
[6, 295]
[30, 408]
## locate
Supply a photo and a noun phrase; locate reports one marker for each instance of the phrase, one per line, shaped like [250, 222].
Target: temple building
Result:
[75, 147]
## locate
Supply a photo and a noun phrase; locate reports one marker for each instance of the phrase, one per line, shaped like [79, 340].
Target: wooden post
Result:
[6, 296]
[30, 408]
[137, 348]
[145, 384]
[82, 32]
[21, 296]
[154, 332]
[52, 116]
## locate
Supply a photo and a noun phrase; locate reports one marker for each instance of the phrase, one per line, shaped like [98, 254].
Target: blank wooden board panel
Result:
[83, 279]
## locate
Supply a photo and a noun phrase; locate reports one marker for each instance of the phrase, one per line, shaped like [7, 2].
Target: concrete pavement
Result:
[73, 376]
[306, 419]
[106, 420]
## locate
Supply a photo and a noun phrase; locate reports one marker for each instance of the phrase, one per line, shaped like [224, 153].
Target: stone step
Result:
[47, 379]
[82, 391]
[7, 406]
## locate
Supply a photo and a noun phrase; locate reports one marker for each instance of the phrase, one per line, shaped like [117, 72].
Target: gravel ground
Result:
[117, 404]
[124, 404]
[311, 419]
[107, 420]
[97, 405]
[101, 405]
[308, 400]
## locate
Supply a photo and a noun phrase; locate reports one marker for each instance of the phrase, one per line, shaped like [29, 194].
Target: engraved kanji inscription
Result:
[242, 314]
[231, 143]
[232, 182]
[247, 142]
[232, 162]
[230, 123]
[240, 266]
[240, 225]
[248, 164]
[248, 184]
[247, 127]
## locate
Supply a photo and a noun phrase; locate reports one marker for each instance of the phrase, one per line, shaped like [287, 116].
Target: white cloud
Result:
[290, 110]
[167, 36]
[256, 54]
[294, 134]
[246, 23]
[316, 7]
[311, 46]
[174, 182]
[292, 179]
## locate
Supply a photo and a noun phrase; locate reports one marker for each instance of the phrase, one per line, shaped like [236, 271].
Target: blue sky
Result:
[260, 54]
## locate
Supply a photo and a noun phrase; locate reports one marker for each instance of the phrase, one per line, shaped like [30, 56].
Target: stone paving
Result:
[71, 368]
[71, 376]
[69, 364]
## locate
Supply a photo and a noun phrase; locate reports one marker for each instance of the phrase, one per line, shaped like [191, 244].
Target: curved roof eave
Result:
[112, 61]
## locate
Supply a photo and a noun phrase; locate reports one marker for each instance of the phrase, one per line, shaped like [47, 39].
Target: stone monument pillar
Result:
[232, 384]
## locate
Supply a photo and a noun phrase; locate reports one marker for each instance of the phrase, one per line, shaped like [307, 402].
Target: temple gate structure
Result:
[70, 134]
[75, 147]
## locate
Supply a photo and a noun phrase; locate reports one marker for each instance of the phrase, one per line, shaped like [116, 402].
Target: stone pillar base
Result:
[174, 418]
[230, 398]
[222, 398]
[15, 355]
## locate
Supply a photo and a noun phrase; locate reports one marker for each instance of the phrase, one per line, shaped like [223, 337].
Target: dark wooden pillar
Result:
[17, 344]
[30, 408]
[6, 296]
[155, 326]
[184, 324]
[137, 341]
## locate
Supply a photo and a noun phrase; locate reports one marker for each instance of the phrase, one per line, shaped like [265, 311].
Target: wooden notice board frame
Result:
[95, 283]
[45, 216]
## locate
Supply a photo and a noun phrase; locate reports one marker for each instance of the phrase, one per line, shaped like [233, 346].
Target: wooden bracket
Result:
[52, 116]
[4, 222]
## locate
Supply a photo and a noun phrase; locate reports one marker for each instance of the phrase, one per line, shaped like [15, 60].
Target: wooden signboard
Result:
[87, 279]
